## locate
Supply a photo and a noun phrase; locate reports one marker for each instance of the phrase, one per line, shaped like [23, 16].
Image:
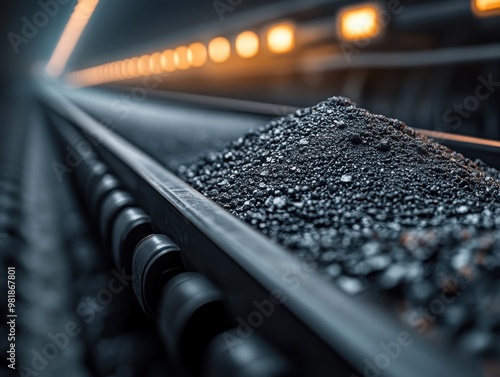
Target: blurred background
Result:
[422, 58]
[433, 64]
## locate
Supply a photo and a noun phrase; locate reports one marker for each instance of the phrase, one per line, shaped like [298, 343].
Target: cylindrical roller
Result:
[157, 259]
[192, 313]
[103, 187]
[130, 227]
[229, 354]
[112, 204]
[90, 158]
[80, 172]
[86, 168]
[95, 173]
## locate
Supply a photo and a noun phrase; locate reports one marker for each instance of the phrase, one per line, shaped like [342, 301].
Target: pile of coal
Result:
[382, 210]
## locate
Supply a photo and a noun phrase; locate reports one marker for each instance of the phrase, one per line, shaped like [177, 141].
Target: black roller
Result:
[88, 166]
[89, 159]
[130, 227]
[112, 204]
[156, 261]
[103, 187]
[192, 313]
[229, 354]
[93, 175]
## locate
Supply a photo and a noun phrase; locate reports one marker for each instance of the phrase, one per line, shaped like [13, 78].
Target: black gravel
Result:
[384, 212]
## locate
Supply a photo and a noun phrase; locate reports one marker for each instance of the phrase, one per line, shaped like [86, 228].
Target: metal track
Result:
[322, 331]
[100, 100]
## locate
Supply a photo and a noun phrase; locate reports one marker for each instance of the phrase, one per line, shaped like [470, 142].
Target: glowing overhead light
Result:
[118, 70]
[70, 36]
[155, 63]
[197, 54]
[219, 49]
[143, 65]
[167, 61]
[247, 44]
[111, 71]
[359, 22]
[281, 38]
[132, 67]
[485, 8]
[124, 68]
[181, 57]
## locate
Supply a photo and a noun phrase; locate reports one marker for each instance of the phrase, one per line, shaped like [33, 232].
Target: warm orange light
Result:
[118, 71]
[167, 61]
[181, 57]
[143, 65]
[219, 49]
[460, 138]
[110, 72]
[132, 67]
[486, 7]
[247, 44]
[197, 54]
[155, 63]
[100, 74]
[281, 38]
[124, 68]
[359, 22]
[70, 36]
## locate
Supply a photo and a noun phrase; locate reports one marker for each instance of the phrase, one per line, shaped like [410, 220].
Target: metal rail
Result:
[324, 331]
[251, 113]
[403, 59]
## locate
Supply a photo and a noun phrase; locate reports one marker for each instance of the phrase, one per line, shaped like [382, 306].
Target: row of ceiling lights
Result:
[353, 23]
[279, 39]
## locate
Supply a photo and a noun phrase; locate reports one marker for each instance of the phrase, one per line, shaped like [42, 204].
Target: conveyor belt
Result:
[316, 331]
